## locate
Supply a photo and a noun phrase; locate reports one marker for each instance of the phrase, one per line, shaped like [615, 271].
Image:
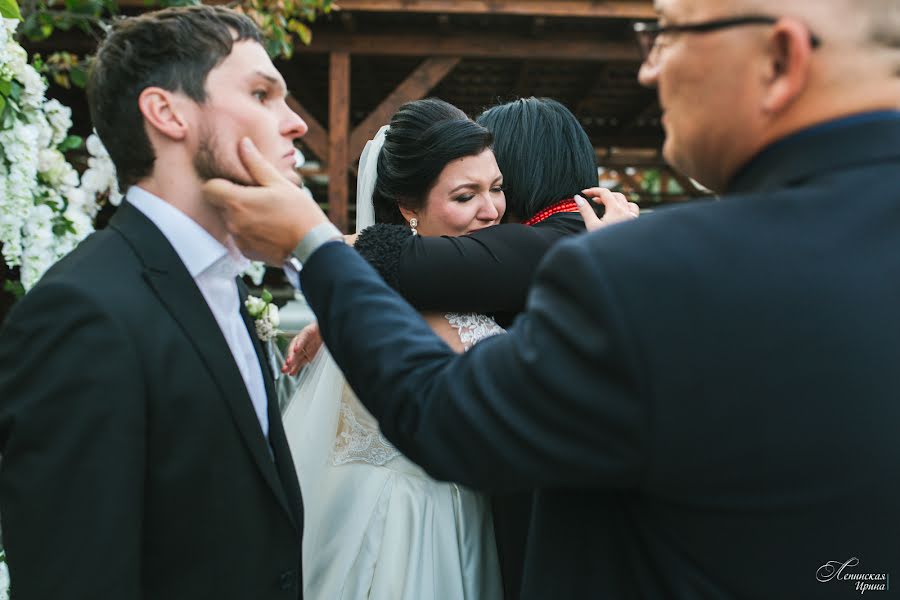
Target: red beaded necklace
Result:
[568, 205]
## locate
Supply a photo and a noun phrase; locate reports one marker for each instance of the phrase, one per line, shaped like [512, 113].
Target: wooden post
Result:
[338, 138]
[420, 82]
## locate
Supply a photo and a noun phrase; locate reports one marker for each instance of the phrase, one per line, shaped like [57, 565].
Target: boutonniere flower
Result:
[265, 315]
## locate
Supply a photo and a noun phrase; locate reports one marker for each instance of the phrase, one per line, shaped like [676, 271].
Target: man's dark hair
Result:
[543, 152]
[174, 49]
[423, 137]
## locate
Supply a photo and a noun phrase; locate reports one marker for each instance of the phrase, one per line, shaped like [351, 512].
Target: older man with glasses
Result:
[705, 401]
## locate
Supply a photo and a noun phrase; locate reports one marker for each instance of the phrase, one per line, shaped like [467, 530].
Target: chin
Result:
[292, 176]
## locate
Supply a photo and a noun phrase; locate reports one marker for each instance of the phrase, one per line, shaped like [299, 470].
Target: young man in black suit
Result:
[704, 400]
[143, 453]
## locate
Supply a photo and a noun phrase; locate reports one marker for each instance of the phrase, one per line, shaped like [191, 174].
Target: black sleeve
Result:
[72, 435]
[382, 245]
[487, 271]
[556, 402]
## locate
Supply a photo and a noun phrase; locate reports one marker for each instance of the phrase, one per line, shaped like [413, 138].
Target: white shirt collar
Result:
[197, 249]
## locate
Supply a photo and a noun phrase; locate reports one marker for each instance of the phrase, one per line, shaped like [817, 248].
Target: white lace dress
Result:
[376, 526]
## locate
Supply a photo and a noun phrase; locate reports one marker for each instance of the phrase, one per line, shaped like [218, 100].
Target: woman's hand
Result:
[302, 349]
[617, 206]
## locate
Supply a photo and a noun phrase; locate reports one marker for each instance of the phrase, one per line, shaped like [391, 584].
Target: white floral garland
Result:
[44, 209]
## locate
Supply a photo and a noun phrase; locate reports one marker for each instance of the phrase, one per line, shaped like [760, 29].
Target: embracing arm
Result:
[72, 432]
[554, 402]
[487, 271]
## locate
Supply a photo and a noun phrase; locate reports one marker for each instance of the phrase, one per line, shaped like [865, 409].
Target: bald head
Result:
[730, 92]
[870, 28]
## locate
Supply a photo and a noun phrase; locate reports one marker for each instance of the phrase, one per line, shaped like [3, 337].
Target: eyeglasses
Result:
[648, 32]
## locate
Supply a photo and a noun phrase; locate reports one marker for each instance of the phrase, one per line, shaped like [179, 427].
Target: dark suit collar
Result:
[169, 279]
[858, 140]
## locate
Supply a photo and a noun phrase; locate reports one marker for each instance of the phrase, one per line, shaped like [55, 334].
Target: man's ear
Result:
[790, 57]
[164, 112]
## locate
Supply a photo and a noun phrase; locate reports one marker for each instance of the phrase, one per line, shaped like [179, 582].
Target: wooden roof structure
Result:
[371, 56]
[368, 57]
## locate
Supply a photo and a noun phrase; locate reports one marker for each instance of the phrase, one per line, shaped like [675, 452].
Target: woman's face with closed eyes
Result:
[467, 196]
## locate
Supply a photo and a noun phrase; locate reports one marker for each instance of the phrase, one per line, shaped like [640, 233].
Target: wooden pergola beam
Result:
[421, 81]
[624, 9]
[572, 47]
[339, 138]
[316, 138]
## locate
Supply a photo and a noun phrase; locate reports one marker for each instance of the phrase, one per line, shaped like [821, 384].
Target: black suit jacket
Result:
[134, 466]
[705, 400]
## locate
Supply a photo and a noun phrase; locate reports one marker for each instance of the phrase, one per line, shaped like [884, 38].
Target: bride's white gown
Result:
[375, 525]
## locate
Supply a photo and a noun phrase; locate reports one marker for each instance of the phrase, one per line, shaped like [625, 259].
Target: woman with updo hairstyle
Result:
[377, 527]
[423, 137]
[546, 159]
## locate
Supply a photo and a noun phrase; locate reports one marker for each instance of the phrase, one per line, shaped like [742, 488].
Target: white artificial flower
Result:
[272, 315]
[38, 187]
[55, 170]
[255, 306]
[34, 86]
[59, 117]
[95, 147]
[264, 330]
[299, 159]
[256, 271]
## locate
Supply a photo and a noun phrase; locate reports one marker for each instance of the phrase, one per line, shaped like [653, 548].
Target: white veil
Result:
[311, 417]
[365, 182]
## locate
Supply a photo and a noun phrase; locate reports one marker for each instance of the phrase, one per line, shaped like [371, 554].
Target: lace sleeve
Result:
[472, 328]
[358, 436]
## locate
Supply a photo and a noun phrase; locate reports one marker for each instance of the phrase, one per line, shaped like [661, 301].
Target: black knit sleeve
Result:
[382, 246]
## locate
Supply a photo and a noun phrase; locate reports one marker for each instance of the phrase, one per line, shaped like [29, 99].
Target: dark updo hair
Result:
[543, 152]
[423, 137]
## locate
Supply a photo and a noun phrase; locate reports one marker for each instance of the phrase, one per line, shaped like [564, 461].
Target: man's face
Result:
[708, 90]
[245, 96]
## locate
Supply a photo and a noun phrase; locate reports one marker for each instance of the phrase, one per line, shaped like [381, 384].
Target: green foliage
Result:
[17, 290]
[9, 9]
[72, 142]
[281, 21]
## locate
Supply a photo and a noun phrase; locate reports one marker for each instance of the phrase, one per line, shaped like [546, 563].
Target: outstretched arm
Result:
[487, 271]
[554, 402]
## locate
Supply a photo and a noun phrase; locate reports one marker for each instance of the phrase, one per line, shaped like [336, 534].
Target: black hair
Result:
[423, 137]
[543, 152]
[174, 49]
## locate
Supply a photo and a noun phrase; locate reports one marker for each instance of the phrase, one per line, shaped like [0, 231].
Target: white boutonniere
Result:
[265, 315]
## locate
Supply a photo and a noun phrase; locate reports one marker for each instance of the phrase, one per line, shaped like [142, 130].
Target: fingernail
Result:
[246, 143]
[579, 200]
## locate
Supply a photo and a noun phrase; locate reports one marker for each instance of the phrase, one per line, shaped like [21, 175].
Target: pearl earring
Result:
[413, 223]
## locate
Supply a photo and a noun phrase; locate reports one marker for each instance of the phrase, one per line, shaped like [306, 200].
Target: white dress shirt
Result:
[214, 268]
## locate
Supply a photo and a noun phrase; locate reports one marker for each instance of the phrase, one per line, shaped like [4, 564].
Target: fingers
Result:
[218, 191]
[261, 170]
[302, 349]
[291, 364]
[617, 207]
[591, 220]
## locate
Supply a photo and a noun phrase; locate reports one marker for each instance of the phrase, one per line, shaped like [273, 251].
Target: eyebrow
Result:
[276, 81]
[471, 184]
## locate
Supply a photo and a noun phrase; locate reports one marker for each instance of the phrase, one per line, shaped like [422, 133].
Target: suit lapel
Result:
[280, 448]
[170, 281]
[261, 353]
